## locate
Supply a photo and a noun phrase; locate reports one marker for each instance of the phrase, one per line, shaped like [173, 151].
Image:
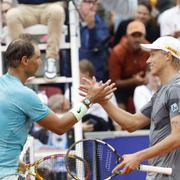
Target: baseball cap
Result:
[165, 43]
[136, 26]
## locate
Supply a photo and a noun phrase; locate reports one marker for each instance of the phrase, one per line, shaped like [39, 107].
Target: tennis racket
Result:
[47, 167]
[100, 158]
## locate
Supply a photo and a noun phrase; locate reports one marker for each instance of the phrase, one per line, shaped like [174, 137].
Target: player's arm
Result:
[170, 143]
[126, 120]
[56, 124]
[94, 92]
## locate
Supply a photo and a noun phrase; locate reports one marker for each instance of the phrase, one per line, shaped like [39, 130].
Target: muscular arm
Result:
[56, 124]
[61, 125]
[168, 144]
[127, 121]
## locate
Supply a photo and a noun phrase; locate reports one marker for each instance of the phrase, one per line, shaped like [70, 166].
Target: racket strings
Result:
[43, 169]
[98, 160]
[99, 152]
[108, 160]
[104, 156]
[49, 166]
[76, 165]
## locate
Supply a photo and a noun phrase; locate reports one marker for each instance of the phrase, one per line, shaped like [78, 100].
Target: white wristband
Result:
[79, 111]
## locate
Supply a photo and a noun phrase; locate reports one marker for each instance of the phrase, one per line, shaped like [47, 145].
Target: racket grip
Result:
[162, 170]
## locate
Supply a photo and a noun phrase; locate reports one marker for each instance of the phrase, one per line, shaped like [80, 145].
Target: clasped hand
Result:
[97, 92]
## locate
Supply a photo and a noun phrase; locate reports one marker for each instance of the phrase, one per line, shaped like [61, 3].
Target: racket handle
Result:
[162, 170]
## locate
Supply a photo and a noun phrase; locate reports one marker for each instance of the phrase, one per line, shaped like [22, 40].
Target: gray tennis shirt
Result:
[164, 105]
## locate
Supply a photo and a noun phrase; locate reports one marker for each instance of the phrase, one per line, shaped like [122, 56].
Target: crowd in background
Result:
[110, 48]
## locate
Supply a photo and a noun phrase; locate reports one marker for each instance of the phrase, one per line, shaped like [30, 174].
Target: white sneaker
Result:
[50, 68]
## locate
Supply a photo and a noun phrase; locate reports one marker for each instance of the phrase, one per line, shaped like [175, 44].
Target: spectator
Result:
[170, 21]
[143, 14]
[127, 64]
[143, 93]
[59, 103]
[50, 12]
[94, 40]
[94, 35]
[96, 119]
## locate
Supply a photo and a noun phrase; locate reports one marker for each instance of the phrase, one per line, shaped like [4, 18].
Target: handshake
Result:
[97, 92]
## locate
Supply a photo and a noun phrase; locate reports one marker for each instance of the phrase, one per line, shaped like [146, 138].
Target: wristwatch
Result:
[87, 102]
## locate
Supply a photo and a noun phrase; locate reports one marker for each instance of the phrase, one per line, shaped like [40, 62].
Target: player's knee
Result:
[12, 15]
[57, 12]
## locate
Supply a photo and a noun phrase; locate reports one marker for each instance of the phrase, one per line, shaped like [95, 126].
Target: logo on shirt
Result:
[174, 107]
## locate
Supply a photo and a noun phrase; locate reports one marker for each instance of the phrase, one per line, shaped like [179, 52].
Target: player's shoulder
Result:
[176, 83]
[25, 92]
[174, 88]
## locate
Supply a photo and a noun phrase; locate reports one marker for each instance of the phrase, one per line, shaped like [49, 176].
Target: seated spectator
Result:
[96, 119]
[94, 36]
[59, 103]
[94, 33]
[143, 14]
[169, 21]
[143, 93]
[127, 64]
[28, 13]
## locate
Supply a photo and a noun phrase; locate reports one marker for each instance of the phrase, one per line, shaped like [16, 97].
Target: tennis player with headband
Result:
[162, 113]
[20, 106]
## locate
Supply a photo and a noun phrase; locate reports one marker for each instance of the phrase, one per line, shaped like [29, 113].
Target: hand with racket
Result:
[45, 168]
[100, 158]
[130, 162]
